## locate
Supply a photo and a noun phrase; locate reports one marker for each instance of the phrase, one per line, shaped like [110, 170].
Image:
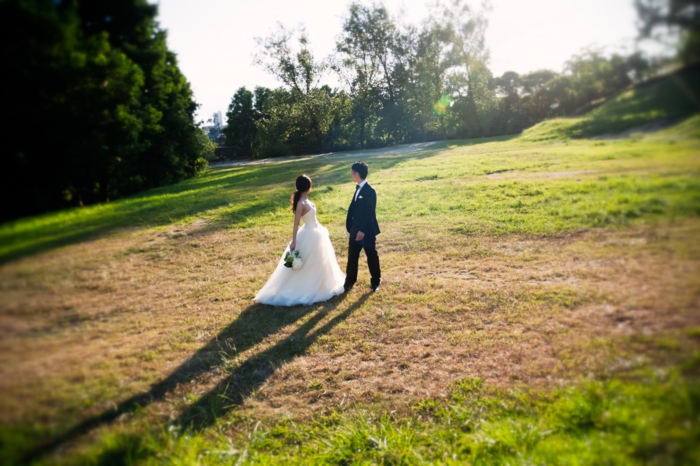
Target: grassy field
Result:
[539, 306]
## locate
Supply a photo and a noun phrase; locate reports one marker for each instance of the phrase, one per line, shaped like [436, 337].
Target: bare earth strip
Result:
[398, 149]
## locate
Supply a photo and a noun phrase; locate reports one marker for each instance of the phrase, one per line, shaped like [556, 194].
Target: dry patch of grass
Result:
[163, 320]
[507, 263]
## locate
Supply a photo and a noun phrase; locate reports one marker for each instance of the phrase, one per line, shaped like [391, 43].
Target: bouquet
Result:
[292, 260]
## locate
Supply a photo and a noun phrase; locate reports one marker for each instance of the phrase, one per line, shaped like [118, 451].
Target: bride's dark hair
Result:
[303, 184]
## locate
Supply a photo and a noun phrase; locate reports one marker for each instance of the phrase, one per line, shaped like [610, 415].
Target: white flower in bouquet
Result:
[291, 258]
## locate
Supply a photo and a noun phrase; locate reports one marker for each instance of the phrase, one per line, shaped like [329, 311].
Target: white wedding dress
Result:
[319, 279]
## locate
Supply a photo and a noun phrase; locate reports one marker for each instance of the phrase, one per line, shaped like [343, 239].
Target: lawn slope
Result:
[539, 304]
[659, 102]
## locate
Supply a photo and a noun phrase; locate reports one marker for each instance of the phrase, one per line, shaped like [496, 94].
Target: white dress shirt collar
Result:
[357, 193]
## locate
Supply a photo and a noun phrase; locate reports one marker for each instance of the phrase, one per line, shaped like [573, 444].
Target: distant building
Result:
[218, 119]
[215, 133]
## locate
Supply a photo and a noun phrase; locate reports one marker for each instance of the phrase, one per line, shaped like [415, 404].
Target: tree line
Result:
[98, 106]
[402, 83]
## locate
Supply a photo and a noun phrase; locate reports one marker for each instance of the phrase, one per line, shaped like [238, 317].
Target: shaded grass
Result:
[617, 181]
[239, 196]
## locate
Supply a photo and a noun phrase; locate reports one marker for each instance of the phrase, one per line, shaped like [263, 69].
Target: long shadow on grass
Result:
[252, 326]
[233, 390]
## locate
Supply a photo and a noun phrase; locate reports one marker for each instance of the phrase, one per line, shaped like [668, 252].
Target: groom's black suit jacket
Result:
[362, 214]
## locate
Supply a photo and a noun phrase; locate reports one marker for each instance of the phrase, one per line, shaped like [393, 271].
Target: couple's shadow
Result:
[251, 327]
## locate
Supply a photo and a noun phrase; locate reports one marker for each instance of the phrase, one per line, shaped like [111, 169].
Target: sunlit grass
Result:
[661, 102]
[569, 185]
[650, 420]
[533, 262]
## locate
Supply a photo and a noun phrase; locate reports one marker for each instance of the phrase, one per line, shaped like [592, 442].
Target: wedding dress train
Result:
[319, 279]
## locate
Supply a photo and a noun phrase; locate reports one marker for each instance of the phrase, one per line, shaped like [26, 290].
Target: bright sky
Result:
[214, 39]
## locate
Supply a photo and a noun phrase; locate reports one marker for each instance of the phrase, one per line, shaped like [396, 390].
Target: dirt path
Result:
[399, 149]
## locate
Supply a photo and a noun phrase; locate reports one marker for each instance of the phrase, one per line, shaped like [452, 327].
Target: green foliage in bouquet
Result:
[290, 257]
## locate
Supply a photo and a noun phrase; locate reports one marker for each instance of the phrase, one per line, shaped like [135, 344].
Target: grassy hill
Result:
[663, 101]
[539, 305]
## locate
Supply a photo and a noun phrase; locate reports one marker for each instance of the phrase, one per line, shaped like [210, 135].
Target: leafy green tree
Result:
[241, 117]
[342, 134]
[510, 118]
[425, 82]
[277, 123]
[168, 141]
[376, 50]
[404, 83]
[370, 31]
[466, 26]
[301, 72]
[261, 95]
[483, 102]
[98, 82]
[207, 146]
[589, 78]
[593, 77]
[69, 87]
[660, 18]
[536, 101]
[364, 66]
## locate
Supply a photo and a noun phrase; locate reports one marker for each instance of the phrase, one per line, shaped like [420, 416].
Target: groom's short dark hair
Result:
[361, 168]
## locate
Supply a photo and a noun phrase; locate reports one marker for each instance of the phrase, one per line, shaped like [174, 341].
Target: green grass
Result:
[445, 179]
[545, 182]
[570, 185]
[671, 98]
[649, 418]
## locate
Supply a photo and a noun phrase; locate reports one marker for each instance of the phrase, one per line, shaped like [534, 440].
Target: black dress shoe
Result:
[347, 288]
[375, 289]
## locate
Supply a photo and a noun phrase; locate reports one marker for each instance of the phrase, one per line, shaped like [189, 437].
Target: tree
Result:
[364, 67]
[241, 117]
[536, 101]
[114, 110]
[301, 72]
[261, 95]
[425, 82]
[466, 27]
[169, 149]
[207, 146]
[589, 78]
[658, 18]
[509, 88]
[404, 83]
[276, 124]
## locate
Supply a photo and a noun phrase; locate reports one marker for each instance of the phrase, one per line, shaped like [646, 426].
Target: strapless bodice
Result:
[309, 218]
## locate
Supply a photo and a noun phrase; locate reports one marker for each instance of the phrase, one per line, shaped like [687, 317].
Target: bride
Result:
[320, 277]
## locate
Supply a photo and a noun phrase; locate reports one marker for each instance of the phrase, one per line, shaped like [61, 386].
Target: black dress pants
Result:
[354, 248]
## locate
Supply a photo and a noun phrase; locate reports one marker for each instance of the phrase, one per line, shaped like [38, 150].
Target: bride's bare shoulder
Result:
[305, 206]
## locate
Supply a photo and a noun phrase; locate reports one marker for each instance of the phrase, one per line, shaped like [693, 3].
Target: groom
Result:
[362, 225]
